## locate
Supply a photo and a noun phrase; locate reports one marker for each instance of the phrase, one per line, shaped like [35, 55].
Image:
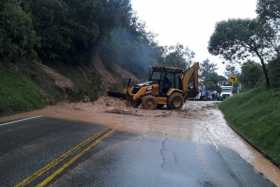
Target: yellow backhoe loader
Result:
[166, 87]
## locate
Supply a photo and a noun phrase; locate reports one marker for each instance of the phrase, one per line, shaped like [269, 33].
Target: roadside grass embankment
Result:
[255, 114]
[18, 93]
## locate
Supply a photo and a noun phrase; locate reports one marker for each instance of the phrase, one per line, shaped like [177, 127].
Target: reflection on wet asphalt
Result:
[130, 160]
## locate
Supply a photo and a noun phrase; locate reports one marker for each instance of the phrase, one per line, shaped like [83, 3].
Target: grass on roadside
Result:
[256, 115]
[18, 93]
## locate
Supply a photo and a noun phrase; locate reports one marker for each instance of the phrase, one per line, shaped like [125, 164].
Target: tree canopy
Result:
[238, 39]
[206, 67]
[17, 36]
[269, 17]
[209, 76]
[269, 9]
[72, 31]
[177, 56]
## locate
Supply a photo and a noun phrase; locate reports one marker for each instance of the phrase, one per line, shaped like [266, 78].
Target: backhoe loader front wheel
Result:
[176, 101]
[149, 103]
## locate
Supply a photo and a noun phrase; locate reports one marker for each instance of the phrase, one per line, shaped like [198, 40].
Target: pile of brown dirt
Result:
[121, 107]
[109, 103]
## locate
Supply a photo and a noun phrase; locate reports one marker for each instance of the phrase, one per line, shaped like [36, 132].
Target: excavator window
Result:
[178, 82]
[166, 80]
[156, 76]
[175, 79]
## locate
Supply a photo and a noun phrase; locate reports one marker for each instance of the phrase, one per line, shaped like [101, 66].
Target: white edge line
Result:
[21, 120]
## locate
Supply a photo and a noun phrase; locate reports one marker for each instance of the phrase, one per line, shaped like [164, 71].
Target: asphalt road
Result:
[118, 159]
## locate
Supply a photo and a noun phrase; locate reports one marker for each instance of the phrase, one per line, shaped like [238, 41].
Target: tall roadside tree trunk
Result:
[265, 71]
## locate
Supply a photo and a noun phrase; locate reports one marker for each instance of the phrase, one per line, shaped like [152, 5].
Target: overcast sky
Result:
[190, 22]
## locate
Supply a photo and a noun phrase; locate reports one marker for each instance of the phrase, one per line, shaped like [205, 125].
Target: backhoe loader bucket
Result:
[121, 95]
[117, 94]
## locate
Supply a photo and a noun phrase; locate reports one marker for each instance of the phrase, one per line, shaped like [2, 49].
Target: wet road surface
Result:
[121, 159]
[27, 146]
[126, 160]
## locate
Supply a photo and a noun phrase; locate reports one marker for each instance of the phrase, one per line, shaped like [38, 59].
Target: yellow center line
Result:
[58, 172]
[68, 154]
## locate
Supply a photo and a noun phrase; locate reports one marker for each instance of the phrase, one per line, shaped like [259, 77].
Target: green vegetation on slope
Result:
[66, 35]
[18, 93]
[70, 32]
[256, 115]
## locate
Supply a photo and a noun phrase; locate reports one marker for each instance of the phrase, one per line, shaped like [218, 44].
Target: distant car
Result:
[227, 91]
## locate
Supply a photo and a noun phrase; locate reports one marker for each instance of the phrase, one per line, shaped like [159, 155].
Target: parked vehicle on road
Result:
[227, 91]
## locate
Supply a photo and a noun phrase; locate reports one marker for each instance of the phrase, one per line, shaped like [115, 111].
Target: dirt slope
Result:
[87, 81]
[59, 80]
[113, 75]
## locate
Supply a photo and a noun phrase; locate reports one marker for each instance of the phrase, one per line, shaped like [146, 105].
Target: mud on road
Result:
[199, 122]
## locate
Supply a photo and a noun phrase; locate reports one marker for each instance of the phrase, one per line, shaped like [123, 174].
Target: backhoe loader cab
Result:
[166, 78]
[166, 86]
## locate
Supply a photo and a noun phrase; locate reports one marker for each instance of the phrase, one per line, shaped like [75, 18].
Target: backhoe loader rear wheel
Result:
[149, 103]
[176, 101]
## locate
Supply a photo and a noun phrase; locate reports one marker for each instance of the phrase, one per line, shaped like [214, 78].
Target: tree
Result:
[17, 36]
[211, 81]
[237, 40]
[251, 74]
[207, 67]
[209, 76]
[231, 70]
[178, 56]
[49, 19]
[269, 9]
[269, 17]
[115, 14]
[67, 28]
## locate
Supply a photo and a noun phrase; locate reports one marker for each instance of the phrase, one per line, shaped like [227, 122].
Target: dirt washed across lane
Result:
[199, 122]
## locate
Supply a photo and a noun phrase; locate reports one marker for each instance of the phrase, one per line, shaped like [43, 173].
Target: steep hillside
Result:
[64, 35]
[30, 86]
[256, 115]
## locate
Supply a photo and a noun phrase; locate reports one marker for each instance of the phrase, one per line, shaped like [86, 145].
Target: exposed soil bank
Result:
[199, 122]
